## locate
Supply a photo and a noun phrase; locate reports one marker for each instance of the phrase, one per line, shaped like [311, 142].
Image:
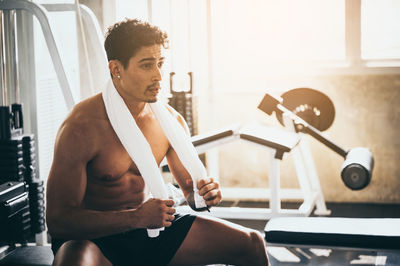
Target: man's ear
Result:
[115, 66]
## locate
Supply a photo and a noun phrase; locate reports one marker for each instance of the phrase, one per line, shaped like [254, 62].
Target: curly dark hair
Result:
[125, 38]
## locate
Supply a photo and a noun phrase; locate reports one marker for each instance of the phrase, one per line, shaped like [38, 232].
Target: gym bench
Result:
[279, 142]
[332, 232]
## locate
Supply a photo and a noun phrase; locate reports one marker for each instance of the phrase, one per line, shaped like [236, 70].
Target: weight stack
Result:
[37, 207]
[17, 163]
[14, 213]
[28, 147]
[12, 166]
[185, 103]
[17, 159]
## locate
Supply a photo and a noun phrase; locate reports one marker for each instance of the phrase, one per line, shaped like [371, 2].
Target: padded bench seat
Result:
[364, 233]
[29, 256]
[214, 135]
[278, 139]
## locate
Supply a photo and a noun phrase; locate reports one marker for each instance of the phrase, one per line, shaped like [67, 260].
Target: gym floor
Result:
[285, 256]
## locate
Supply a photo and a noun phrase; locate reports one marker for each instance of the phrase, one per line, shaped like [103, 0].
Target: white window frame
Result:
[355, 63]
[352, 65]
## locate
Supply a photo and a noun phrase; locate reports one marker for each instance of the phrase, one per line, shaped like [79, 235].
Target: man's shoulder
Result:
[178, 116]
[172, 111]
[87, 117]
[90, 111]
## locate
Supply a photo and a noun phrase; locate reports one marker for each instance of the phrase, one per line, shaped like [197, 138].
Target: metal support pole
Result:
[3, 95]
[275, 184]
[41, 15]
[313, 178]
[10, 56]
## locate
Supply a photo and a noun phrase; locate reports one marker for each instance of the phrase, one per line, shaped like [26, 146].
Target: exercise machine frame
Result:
[272, 139]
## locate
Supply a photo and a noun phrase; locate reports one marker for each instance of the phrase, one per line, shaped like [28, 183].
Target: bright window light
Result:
[380, 29]
[280, 30]
[253, 37]
[131, 9]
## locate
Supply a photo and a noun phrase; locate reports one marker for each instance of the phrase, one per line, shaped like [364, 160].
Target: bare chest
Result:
[113, 179]
[113, 161]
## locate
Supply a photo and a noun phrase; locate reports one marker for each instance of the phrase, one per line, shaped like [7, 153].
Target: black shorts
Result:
[136, 248]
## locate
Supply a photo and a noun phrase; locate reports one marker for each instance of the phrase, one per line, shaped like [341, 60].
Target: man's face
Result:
[140, 81]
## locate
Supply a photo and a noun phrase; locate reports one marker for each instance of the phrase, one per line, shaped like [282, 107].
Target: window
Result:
[380, 29]
[51, 108]
[256, 39]
[131, 9]
[252, 39]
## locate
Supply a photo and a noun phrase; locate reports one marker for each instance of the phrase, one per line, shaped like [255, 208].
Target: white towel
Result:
[140, 151]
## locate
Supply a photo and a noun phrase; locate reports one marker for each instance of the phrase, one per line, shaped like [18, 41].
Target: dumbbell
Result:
[312, 112]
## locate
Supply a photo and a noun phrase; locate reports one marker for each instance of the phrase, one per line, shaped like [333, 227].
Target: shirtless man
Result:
[97, 205]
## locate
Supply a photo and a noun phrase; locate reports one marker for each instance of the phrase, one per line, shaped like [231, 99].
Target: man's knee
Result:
[78, 244]
[254, 252]
[79, 252]
[257, 242]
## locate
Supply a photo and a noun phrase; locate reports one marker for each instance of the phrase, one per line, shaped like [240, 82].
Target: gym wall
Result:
[367, 114]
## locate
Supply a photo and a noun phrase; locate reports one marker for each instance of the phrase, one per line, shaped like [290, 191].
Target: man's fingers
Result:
[171, 211]
[210, 195]
[204, 181]
[213, 198]
[169, 218]
[209, 187]
[167, 224]
[169, 202]
[213, 202]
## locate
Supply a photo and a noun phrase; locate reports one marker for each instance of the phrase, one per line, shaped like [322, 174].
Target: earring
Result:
[118, 76]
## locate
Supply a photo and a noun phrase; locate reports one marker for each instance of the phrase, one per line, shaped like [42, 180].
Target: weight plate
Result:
[315, 107]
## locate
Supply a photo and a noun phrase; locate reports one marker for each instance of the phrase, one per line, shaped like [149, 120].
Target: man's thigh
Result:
[213, 240]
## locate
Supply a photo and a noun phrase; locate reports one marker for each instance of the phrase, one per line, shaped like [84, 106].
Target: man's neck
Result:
[136, 108]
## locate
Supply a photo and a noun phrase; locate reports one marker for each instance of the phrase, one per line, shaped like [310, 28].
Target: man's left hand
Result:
[209, 190]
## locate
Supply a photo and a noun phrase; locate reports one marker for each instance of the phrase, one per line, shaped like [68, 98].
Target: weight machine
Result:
[304, 108]
[21, 190]
[301, 111]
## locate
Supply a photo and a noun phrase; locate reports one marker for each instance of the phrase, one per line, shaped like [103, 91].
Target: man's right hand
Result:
[155, 213]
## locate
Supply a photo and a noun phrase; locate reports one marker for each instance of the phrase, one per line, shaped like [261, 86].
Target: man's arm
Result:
[208, 187]
[66, 186]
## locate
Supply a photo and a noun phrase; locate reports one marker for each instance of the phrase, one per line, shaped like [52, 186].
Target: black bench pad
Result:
[368, 233]
[29, 256]
[280, 140]
[273, 137]
[214, 135]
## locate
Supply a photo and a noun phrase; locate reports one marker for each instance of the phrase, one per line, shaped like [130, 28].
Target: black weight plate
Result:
[7, 149]
[315, 107]
[11, 155]
[12, 163]
[10, 142]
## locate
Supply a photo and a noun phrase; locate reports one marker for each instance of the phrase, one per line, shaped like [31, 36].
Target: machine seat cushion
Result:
[273, 137]
[214, 135]
[365, 233]
[29, 256]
